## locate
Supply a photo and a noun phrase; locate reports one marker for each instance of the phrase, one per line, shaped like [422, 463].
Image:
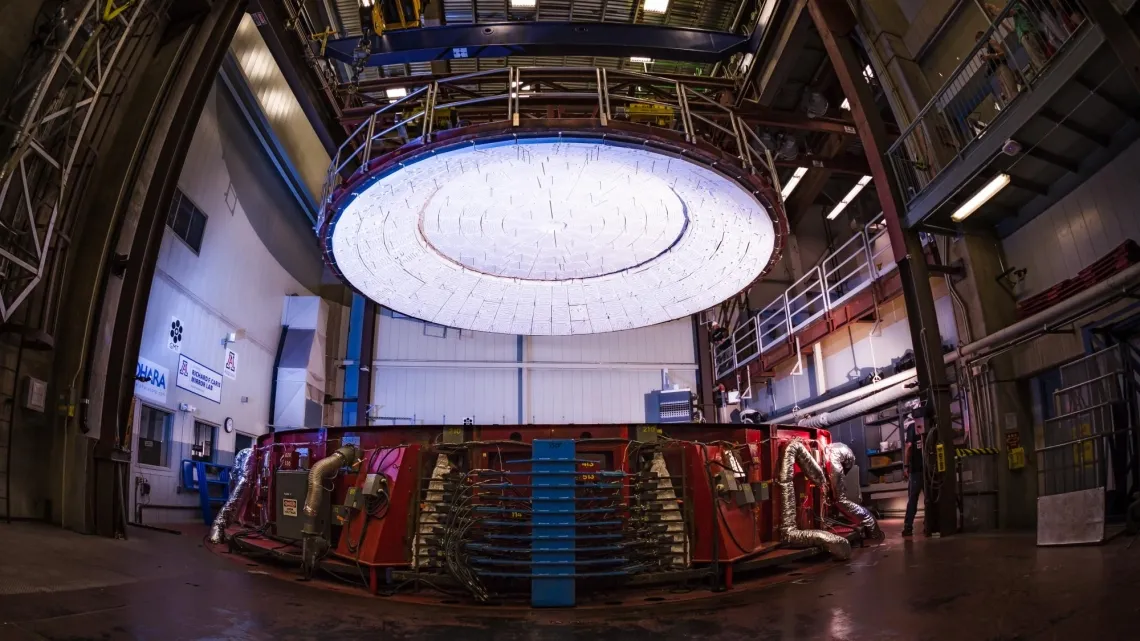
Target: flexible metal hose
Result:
[243, 465]
[842, 460]
[325, 467]
[796, 452]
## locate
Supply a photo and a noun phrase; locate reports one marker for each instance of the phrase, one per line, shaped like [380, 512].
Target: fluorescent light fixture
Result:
[523, 4]
[792, 182]
[542, 237]
[846, 104]
[841, 205]
[977, 200]
[641, 60]
[396, 92]
[656, 6]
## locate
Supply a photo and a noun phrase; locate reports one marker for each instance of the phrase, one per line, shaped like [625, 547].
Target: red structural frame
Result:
[720, 532]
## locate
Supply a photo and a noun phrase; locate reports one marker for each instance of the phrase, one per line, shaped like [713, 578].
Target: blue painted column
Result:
[552, 547]
[352, 355]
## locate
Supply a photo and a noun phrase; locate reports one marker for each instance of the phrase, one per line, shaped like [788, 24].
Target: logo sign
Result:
[230, 369]
[150, 381]
[174, 335]
[196, 378]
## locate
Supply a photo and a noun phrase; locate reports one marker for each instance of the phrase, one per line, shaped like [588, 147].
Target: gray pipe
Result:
[796, 452]
[843, 399]
[861, 407]
[1120, 285]
[842, 459]
[243, 465]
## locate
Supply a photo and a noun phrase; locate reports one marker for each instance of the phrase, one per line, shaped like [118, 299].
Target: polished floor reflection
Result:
[58, 585]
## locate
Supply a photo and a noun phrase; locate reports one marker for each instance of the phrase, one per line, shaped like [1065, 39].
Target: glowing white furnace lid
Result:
[549, 237]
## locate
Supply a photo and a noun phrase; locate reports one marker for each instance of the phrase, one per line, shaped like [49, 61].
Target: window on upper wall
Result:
[205, 436]
[187, 221]
[155, 427]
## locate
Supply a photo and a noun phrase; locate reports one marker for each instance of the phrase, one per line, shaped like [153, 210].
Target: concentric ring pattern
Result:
[550, 236]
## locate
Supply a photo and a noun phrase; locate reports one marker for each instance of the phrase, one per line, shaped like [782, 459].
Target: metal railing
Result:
[1090, 431]
[1006, 60]
[511, 94]
[842, 274]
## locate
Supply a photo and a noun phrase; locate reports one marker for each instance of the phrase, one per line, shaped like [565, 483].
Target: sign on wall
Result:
[196, 378]
[174, 337]
[150, 381]
[230, 369]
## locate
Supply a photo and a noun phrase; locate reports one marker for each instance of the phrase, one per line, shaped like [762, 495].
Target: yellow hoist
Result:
[388, 15]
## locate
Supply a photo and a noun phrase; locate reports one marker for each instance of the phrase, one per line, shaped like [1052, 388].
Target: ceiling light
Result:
[841, 205]
[641, 60]
[542, 237]
[656, 6]
[977, 200]
[846, 104]
[868, 73]
[792, 182]
[523, 4]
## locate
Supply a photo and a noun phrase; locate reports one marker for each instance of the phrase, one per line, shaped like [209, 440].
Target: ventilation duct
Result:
[299, 391]
[796, 453]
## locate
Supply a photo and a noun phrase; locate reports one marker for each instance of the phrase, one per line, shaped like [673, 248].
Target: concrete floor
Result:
[59, 585]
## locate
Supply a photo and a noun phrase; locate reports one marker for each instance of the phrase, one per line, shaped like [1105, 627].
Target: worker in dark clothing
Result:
[913, 473]
[717, 334]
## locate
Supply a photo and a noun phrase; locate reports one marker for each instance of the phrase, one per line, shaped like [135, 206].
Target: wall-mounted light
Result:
[841, 205]
[233, 337]
[523, 4]
[977, 200]
[395, 93]
[656, 6]
[792, 182]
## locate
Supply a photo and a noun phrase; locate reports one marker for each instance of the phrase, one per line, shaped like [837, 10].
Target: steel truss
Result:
[513, 94]
[71, 79]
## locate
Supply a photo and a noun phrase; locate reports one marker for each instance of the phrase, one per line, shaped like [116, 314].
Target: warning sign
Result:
[289, 507]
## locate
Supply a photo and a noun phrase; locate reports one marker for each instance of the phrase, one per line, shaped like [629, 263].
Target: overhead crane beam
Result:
[619, 40]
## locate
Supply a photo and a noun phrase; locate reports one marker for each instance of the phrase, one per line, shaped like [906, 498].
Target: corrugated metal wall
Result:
[233, 284]
[280, 106]
[431, 375]
[1082, 227]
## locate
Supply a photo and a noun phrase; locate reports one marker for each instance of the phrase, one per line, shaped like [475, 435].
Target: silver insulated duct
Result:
[796, 452]
[243, 465]
[842, 459]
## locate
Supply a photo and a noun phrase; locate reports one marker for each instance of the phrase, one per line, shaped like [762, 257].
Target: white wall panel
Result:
[435, 396]
[599, 378]
[1082, 227]
[233, 284]
[670, 342]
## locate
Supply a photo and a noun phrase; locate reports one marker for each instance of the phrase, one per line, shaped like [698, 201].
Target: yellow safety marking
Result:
[110, 12]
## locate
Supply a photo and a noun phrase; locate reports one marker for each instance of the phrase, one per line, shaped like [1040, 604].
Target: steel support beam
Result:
[619, 40]
[300, 77]
[1120, 35]
[769, 71]
[836, 25]
[366, 358]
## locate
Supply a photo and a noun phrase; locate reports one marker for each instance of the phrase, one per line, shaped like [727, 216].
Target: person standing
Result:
[912, 473]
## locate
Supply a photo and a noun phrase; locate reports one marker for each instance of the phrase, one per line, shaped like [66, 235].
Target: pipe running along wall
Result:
[842, 459]
[798, 453]
[1106, 292]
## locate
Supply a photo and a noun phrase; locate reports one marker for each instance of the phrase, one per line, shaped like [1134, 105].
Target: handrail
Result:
[1004, 63]
[773, 325]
